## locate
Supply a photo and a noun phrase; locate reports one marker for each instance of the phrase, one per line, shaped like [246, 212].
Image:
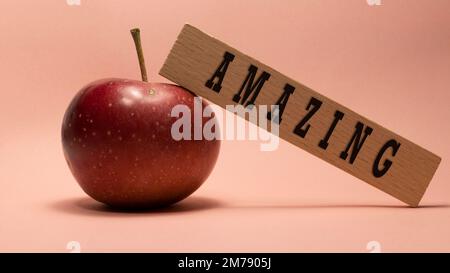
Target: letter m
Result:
[249, 87]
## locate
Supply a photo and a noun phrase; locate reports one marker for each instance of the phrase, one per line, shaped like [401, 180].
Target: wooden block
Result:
[311, 121]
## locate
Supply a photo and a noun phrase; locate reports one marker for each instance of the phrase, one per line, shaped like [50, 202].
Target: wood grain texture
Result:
[195, 57]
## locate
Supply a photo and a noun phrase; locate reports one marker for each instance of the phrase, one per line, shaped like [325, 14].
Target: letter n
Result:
[356, 142]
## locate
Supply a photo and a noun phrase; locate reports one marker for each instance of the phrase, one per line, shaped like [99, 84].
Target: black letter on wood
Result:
[281, 102]
[387, 163]
[338, 115]
[356, 141]
[220, 72]
[251, 87]
[315, 103]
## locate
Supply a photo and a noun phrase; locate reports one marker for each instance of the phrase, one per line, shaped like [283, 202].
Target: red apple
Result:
[117, 141]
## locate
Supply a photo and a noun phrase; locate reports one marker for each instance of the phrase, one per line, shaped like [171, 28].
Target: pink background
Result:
[355, 53]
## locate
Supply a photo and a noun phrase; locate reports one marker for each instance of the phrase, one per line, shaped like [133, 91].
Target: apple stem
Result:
[136, 33]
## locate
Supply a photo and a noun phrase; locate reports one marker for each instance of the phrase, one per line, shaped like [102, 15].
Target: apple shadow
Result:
[89, 207]
[337, 206]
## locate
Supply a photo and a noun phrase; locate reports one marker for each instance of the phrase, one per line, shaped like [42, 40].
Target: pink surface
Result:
[390, 63]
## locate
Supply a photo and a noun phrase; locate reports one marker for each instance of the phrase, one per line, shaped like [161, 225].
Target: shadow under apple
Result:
[89, 207]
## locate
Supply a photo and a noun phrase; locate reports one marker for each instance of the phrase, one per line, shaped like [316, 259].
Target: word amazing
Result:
[307, 119]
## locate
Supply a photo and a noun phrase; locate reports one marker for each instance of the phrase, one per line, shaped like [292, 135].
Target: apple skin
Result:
[116, 137]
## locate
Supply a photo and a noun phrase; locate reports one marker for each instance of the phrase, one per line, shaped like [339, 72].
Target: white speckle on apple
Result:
[127, 101]
[79, 115]
[119, 138]
[108, 133]
[109, 104]
[136, 94]
[94, 133]
[84, 129]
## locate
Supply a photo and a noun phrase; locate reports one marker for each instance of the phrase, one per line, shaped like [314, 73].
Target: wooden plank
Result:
[384, 159]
